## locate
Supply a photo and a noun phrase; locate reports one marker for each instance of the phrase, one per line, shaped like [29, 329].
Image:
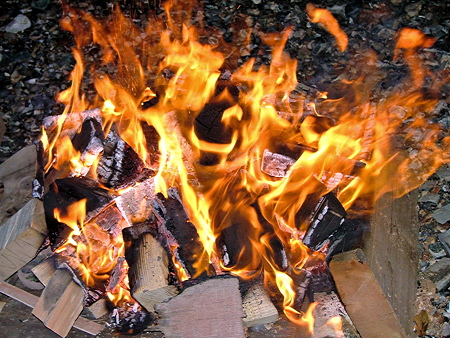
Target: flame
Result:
[324, 18]
[163, 76]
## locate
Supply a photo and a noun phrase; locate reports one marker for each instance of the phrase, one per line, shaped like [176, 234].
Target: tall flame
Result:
[163, 76]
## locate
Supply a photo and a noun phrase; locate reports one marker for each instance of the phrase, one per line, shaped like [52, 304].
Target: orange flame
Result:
[347, 142]
[324, 18]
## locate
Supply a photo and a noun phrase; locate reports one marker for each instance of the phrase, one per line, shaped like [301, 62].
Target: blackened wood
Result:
[120, 166]
[64, 192]
[347, 237]
[326, 218]
[212, 308]
[320, 278]
[89, 142]
[177, 227]
[301, 281]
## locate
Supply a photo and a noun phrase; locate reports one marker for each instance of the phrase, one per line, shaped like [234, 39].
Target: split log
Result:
[136, 204]
[120, 166]
[60, 303]
[63, 193]
[31, 300]
[21, 237]
[363, 297]
[212, 308]
[178, 235]
[45, 270]
[326, 218]
[17, 175]
[275, 165]
[257, 306]
[149, 272]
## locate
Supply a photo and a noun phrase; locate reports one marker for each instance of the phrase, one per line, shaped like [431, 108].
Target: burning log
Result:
[17, 174]
[63, 193]
[60, 303]
[178, 235]
[276, 165]
[21, 237]
[212, 308]
[327, 217]
[257, 306]
[120, 166]
[149, 272]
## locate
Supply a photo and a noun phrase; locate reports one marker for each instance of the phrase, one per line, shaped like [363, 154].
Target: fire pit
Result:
[179, 177]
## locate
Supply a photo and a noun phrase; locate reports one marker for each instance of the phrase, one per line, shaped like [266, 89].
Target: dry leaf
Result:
[421, 320]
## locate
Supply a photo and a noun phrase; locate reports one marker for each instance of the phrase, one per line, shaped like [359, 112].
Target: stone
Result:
[430, 198]
[437, 250]
[444, 238]
[439, 273]
[19, 24]
[442, 215]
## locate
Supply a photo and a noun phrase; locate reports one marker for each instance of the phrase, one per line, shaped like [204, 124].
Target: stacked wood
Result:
[212, 308]
[21, 237]
[60, 303]
[17, 175]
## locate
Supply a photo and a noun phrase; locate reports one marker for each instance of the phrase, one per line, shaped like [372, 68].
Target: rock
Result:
[430, 198]
[444, 238]
[442, 215]
[19, 24]
[437, 250]
[443, 173]
[439, 273]
[445, 330]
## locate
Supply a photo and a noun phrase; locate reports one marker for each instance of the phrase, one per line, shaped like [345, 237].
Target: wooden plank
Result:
[20, 237]
[17, 174]
[31, 300]
[391, 249]
[364, 300]
[44, 271]
[149, 273]
[60, 303]
[210, 309]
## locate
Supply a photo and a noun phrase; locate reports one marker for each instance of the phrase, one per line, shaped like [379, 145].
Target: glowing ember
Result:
[163, 76]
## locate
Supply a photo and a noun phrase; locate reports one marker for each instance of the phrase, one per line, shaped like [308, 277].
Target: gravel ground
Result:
[36, 60]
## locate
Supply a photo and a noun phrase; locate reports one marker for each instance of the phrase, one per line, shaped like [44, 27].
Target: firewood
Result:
[174, 227]
[20, 237]
[326, 218]
[45, 270]
[120, 166]
[257, 306]
[31, 300]
[212, 308]
[275, 165]
[60, 303]
[363, 297]
[136, 203]
[17, 174]
[149, 272]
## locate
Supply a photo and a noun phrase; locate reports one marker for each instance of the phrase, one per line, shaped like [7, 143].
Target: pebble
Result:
[442, 215]
[439, 273]
[430, 198]
[437, 250]
[19, 24]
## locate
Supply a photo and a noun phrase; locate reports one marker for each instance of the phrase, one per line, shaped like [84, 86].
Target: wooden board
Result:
[257, 306]
[392, 253]
[210, 309]
[363, 297]
[60, 303]
[20, 237]
[17, 174]
[31, 300]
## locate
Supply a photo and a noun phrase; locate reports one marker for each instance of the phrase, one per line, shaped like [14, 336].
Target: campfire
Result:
[180, 173]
